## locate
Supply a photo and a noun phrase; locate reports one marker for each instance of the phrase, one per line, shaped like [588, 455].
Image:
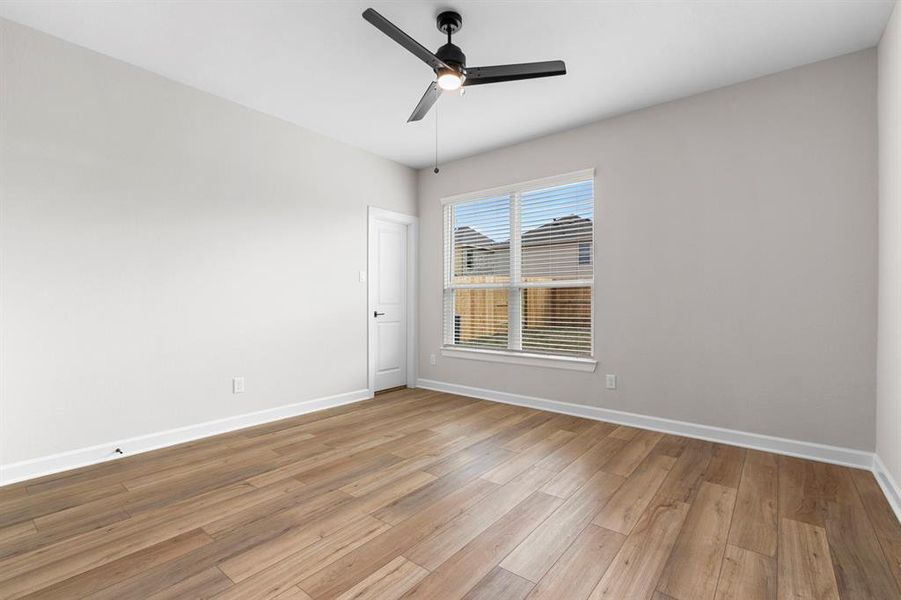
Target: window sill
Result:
[570, 363]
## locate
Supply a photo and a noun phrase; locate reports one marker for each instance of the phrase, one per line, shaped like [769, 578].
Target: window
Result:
[518, 269]
[584, 253]
[470, 259]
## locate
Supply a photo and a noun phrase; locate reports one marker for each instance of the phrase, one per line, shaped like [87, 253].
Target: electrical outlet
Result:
[611, 381]
[433, 360]
[237, 385]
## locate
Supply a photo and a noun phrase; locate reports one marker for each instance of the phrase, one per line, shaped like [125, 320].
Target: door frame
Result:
[412, 225]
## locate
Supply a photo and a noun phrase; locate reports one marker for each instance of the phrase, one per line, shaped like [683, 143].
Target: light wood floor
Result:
[425, 495]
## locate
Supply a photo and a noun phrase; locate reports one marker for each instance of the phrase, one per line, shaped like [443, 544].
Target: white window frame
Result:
[514, 329]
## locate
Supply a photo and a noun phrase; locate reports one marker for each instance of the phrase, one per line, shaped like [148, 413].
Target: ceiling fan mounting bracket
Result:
[449, 22]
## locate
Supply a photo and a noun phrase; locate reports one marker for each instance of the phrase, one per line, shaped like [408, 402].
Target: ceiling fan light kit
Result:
[449, 62]
[449, 80]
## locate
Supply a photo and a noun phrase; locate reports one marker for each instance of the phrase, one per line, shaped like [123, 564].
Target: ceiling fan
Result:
[449, 62]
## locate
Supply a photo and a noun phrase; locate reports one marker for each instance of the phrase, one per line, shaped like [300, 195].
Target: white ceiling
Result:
[320, 65]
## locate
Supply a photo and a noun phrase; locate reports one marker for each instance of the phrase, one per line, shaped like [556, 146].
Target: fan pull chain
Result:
[436, 138]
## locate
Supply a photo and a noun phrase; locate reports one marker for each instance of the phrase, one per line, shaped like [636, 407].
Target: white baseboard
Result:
[47, 465]
[889, 486]
[73, 459]
[831, 454]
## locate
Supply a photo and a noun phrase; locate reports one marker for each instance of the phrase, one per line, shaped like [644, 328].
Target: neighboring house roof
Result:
[467, 236]
[568, 229]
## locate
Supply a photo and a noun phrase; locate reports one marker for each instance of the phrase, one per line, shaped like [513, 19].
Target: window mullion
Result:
[514, 301]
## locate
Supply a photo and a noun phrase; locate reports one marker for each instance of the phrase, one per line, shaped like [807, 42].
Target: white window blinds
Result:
[519, 268]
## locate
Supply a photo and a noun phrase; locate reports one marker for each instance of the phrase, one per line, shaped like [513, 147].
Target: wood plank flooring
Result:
[419, 494]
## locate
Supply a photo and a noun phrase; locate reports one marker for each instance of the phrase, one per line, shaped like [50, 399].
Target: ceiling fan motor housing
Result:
[452, 55]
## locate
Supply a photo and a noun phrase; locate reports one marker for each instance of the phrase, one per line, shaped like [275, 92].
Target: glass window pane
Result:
[482, 241]
[557, 225]
[557, 320]
[480, 318]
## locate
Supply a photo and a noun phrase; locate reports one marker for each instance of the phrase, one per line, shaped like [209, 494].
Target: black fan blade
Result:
[498, 73]
[395, 33]
[432, 93]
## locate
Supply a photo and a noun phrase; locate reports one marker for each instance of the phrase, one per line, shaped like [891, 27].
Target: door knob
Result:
[377, 314]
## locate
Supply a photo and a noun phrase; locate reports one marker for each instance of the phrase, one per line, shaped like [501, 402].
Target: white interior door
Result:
[388, 293]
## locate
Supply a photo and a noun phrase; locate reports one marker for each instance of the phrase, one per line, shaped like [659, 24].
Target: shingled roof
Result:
[568, 229]
[467, 236]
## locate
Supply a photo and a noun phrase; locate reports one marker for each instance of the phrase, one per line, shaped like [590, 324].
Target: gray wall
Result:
[157, 241]
[736, 258]
[888, 411]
